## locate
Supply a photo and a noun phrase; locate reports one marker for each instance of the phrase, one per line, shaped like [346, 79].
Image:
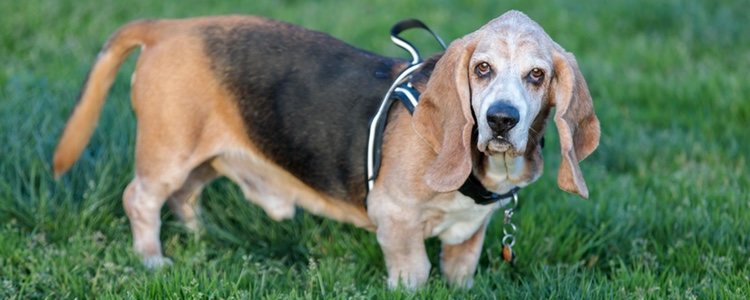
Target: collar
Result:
[474, 189]
[403, 91]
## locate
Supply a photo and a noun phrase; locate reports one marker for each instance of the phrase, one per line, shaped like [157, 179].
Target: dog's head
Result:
[506, 76]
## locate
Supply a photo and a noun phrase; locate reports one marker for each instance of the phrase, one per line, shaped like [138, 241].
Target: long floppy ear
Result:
[576, 121]
[444, 119]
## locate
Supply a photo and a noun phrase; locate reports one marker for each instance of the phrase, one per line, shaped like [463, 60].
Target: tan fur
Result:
[444, 118]
[576, 122]
[84, 118]
[190, 132]
[440, 138]
[458, 261]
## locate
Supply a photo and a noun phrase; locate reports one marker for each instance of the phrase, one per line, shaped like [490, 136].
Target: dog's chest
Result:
[457, 219]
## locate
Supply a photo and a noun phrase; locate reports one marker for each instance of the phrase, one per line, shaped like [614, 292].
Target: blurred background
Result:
[668, 215]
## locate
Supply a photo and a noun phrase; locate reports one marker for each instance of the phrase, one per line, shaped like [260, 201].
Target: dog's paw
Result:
[410, 281]
[156, 262]
[458, 275]
[461, 283]
[280, 210]
[192, 226]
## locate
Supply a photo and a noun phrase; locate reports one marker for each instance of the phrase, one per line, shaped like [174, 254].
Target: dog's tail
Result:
[84, 118]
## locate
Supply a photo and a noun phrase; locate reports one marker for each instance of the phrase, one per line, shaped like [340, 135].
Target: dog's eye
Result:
[536, 76]
[483, 69]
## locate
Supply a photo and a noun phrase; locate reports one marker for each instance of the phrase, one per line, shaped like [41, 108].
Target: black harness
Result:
[403, 91]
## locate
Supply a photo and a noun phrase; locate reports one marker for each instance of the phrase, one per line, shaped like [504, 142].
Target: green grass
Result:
[669, 213]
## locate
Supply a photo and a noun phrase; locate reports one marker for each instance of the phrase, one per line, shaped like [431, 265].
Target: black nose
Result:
[502, 117]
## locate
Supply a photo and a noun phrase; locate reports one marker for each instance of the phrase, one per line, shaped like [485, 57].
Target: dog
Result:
[283, 112]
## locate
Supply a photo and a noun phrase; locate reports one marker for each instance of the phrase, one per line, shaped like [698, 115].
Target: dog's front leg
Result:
[402, 241]
[400, 234]
[459, 261]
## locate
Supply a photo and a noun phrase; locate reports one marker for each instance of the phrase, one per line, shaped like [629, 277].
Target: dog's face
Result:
[508, 81]
[499, 80]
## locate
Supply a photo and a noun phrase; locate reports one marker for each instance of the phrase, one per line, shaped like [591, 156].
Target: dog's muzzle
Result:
[501, 118]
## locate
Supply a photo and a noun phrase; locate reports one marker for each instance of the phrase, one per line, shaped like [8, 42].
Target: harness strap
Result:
[410, 24]
[401, 89]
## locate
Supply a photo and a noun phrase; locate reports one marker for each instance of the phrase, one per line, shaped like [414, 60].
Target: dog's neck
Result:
[504, 172]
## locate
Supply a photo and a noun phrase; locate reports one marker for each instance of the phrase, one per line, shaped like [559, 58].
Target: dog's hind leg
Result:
[159, 173]
[162, 173]
[184, 201]
[178, 107]
[143, 199]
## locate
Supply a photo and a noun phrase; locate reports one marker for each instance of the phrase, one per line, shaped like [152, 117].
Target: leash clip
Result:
[509, 230]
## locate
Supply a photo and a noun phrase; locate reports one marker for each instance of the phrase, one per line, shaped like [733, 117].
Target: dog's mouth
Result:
[499, 145]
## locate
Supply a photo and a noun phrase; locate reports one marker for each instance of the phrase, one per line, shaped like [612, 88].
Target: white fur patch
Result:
[503, 169]
[461, 219]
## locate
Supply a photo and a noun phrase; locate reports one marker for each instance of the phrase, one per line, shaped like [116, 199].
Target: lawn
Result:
[668, 216]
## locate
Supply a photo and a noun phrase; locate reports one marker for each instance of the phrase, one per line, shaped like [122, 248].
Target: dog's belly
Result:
[279, 192]
[456, 220]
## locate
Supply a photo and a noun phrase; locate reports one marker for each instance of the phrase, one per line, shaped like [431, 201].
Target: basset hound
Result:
[283, 112]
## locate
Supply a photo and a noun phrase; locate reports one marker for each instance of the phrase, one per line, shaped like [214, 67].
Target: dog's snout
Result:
[502, 117]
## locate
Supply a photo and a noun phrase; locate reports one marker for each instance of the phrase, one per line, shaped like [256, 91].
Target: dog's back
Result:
[304, 98]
